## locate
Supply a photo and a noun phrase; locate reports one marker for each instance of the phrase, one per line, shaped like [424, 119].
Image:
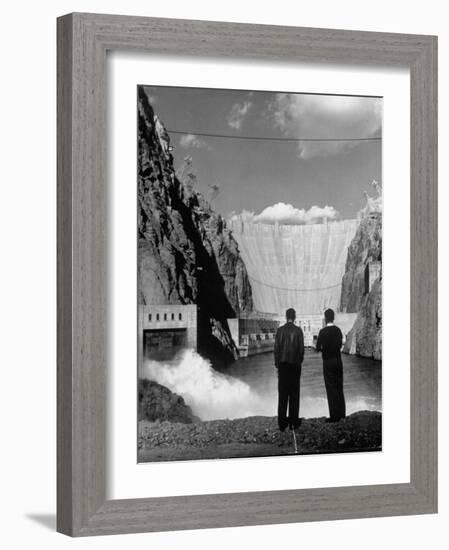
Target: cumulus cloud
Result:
[238, 113]
[322, 116]
[287, 214]
[191, 141]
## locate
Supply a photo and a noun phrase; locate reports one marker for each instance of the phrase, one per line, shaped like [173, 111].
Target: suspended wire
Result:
[292, 289]
[263, 138]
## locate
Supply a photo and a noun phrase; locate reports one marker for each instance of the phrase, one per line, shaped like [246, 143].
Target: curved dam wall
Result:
[298, 266]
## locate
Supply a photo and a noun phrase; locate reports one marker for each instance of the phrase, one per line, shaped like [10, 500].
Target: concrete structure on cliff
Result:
[298, 266]
[165, 330]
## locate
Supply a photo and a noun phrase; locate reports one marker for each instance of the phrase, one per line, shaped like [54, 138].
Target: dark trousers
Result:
[288, 390]
[333, 380]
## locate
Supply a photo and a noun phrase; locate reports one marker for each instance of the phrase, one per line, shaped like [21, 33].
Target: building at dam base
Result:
[253, 334]
[299, 266]
[166, 330]
[163, 331]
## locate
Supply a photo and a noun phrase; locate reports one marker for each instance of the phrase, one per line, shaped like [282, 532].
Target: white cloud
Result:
[238, 113]
[193, 142]
[330, 117]
[287, 214]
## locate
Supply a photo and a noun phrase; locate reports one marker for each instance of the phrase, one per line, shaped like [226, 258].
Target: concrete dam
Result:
[298, 266]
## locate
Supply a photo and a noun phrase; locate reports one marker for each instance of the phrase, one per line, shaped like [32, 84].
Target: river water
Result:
[248, 387]
[362, 383]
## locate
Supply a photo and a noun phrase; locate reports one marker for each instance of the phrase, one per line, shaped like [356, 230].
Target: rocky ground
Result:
[256, 436]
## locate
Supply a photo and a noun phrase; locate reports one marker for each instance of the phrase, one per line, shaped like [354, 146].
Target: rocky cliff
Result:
[365, 337]
[365, 247]
[186, 254]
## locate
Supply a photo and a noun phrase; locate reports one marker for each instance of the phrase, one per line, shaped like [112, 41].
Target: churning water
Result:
[249, 386]
[210, 394]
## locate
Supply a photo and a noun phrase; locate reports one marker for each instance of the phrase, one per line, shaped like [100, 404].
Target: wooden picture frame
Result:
[83, 40]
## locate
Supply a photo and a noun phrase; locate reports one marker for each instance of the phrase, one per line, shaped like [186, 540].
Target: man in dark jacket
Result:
[288, 357]
[329, 342]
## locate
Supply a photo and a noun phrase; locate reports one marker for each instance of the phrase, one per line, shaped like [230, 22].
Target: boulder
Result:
[158, 403]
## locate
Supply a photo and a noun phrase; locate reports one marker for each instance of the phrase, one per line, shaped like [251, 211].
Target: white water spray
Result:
[210, 394]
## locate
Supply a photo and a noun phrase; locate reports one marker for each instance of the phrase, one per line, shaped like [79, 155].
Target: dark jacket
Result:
[289, 345]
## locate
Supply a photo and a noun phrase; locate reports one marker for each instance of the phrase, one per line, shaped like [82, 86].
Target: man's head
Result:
[290, 314]
[329, 315]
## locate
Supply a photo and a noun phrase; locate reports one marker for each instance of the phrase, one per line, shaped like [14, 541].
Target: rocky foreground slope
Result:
[156, 402]
[256, 436]
[186, 254]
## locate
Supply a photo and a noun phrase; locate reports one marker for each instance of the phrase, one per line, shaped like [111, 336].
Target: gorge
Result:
[189, 254]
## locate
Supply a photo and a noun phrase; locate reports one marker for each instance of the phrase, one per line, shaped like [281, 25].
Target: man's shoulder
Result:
[289, 327]
[296, 329]
[331, 329]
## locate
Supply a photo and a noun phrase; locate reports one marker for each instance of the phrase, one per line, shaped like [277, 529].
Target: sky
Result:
[273, 179]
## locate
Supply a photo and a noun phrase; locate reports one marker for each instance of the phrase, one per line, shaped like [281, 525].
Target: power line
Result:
[261, 138]
[292, 289]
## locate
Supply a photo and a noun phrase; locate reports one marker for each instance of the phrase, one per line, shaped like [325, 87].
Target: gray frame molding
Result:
[83, 40]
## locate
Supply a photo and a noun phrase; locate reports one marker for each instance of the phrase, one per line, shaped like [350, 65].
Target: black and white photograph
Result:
[259, 265]
[221, 255]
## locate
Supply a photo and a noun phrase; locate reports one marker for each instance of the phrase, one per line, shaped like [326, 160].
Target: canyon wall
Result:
[365, 337]
[361, 296]
[366, 247]
[186, 254]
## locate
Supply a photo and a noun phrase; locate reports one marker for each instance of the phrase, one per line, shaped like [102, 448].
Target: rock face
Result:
[366, 247]
[365, 337]
[186, 253]
[157, 402]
